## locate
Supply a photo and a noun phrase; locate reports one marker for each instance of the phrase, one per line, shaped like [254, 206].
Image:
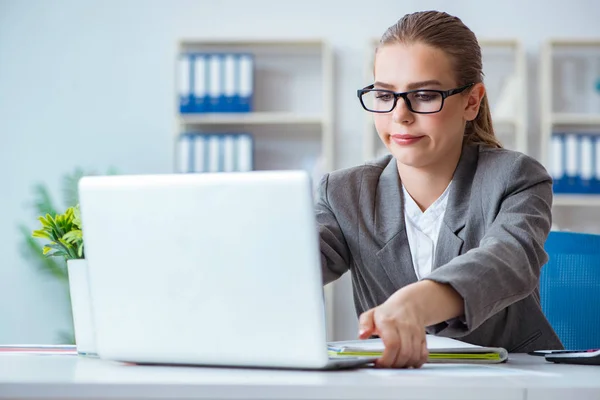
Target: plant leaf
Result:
[41, 234]
[75, 237]
[56, 230]
[31, 250]
[77, 217]
[44, 221]
[70, 250]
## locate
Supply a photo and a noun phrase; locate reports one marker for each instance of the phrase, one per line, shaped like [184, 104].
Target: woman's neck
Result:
[426, 185]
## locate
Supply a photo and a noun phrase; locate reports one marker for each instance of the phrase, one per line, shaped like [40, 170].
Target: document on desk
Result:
[441, 350]
[41, 349]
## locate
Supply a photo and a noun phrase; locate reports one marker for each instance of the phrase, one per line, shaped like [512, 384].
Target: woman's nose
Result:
[401, 113]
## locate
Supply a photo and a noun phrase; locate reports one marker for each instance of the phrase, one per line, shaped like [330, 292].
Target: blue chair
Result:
[570, 288]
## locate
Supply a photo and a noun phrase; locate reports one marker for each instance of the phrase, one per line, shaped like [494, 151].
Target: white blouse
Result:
[423, 229]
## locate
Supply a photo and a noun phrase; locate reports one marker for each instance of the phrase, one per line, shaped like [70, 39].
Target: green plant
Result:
[64, 233]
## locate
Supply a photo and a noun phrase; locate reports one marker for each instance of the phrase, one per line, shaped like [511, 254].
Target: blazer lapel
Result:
[449, 242]
[395, 256]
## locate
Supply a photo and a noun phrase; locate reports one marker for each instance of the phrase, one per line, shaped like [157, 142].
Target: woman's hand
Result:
[398, 324]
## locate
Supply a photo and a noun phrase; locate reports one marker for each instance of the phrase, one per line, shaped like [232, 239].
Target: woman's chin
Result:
[409, 157]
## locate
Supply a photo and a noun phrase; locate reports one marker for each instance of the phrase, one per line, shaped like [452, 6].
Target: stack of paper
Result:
[46, 349]
[441, 350]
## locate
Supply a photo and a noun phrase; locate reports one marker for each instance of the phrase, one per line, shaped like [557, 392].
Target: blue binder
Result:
[557, 163]
[230, 82]
[586, 164]
[185, 153]
[244, 152]
[245, 82]
[200, 157]
[216, 83]
[200, 84]
[572, 155]
[184, 82]
[228, 147]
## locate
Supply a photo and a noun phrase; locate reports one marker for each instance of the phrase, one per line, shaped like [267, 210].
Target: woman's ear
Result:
[473, 102]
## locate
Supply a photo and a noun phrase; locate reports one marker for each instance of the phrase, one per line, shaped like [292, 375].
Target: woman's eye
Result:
[422, 96]
[384, 97]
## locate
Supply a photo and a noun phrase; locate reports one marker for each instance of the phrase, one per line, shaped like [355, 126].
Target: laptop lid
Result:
[211, 269]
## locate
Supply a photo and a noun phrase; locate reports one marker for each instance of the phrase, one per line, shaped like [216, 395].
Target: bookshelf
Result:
[569, 102]
[251, 118]
[291, 121]
[286, 74]
[505, 68]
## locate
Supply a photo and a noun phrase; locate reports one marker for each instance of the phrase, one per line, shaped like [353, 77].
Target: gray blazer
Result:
[490, 247]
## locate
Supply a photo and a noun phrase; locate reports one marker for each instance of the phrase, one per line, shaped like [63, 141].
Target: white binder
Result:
[230, 82]
[557, 167]
[571, 159]
[200, 94]
[245, 153]
[586, 166]
[246, 82]
[184, 153]
[184, 89]
[215, 79]
[229, 153]
[200, 153]
[214, 153]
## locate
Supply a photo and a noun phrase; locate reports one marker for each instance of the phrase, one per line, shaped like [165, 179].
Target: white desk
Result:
[72, 377]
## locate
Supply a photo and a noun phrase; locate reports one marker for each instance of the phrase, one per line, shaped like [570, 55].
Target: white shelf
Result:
[498, 42]
[589, 200]
[575, 119]
[250, 42]
[550, 119]
[251, 118]
[568, 42]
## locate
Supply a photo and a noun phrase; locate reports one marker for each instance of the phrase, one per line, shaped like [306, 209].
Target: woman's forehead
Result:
[401, 65]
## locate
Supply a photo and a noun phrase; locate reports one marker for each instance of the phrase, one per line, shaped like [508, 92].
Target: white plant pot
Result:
[81, 305]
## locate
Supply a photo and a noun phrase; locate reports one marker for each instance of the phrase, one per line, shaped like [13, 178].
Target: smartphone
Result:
[545, 352]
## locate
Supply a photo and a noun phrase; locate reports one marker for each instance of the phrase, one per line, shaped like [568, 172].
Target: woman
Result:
[446, 235]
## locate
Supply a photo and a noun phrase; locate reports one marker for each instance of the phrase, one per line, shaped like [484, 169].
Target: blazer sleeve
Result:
[335, 254]
[505, 268]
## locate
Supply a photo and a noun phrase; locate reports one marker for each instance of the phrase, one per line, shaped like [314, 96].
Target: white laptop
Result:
[207, 269]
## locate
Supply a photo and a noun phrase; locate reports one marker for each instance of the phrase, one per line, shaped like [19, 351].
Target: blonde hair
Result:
[449, 34]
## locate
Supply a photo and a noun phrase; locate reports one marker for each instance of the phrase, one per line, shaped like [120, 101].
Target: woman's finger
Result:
[366, 324]
[424, 352]
[414, 358]
[406, 349]
[391, 339]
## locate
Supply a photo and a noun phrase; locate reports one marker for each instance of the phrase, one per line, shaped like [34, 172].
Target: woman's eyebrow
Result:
[384, 85]
[410, 86]
[418, 85]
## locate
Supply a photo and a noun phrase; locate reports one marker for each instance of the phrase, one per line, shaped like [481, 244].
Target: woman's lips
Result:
[405, 140]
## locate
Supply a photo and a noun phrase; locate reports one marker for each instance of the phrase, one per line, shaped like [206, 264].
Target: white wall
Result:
[90, 84]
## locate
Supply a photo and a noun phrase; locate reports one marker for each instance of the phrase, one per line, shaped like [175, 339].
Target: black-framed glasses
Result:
[420, 101]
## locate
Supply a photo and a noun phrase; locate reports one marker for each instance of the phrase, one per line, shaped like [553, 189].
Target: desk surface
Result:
[70, 377]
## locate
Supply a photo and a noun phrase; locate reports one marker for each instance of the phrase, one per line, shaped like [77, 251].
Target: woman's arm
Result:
[505, 268]
[335, 255]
